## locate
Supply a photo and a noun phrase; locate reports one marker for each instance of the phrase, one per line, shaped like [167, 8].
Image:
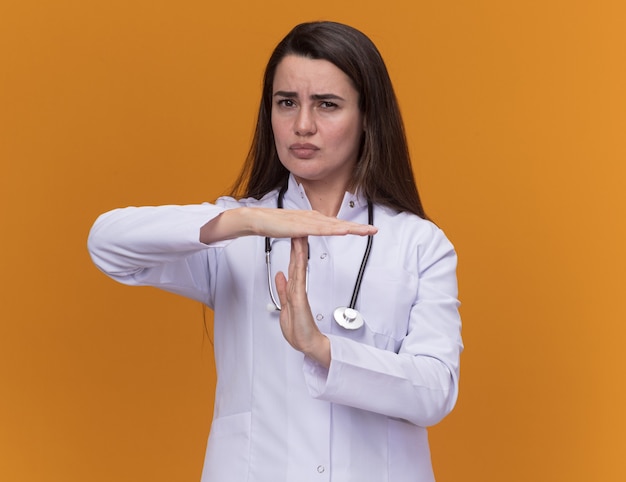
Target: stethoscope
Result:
[346, 316]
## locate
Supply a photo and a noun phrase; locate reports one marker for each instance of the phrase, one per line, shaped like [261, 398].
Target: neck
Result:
[326, 205]
[324, 198]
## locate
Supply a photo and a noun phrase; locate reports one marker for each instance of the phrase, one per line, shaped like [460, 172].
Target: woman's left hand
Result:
[296, 318]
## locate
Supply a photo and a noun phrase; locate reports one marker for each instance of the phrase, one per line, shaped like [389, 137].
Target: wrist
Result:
[230, 224]
[320, 351]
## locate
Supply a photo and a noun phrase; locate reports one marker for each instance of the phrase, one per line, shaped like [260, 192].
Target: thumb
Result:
[281, 288]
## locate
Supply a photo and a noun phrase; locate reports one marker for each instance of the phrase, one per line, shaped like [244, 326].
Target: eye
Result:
[286, 103]
[328, 105]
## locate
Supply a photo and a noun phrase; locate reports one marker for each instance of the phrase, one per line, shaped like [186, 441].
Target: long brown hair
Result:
[383, 173]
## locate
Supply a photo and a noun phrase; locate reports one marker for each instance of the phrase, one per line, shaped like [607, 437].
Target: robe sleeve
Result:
[157, 246]
[420, 382]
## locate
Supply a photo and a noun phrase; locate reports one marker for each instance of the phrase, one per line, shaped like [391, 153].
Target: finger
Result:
[343, 228]
[299, 254]
[281, 288]
[331, 226]
[295, 286]
[288, 223]
[298, 263]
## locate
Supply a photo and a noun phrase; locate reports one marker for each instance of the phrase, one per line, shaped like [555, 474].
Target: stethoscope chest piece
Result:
[348, 318]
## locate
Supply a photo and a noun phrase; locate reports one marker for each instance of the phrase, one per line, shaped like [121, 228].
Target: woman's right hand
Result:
[278, 223]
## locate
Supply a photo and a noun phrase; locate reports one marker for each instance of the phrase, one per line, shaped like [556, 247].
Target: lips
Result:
[303, 151]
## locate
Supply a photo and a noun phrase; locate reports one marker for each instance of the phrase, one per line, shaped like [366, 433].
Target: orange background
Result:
[516, 115]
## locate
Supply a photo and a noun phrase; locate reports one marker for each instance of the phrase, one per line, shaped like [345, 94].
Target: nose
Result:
[304, 123]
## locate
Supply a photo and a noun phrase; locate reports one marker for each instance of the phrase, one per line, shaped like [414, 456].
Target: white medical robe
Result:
[279, 416]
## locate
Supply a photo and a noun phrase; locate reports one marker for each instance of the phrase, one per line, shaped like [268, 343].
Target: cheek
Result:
[278, 132]
[348, 137]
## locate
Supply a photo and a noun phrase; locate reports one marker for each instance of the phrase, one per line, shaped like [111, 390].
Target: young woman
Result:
[359, 349]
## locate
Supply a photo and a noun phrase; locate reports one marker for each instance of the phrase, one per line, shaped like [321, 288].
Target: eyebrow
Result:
[294, 95]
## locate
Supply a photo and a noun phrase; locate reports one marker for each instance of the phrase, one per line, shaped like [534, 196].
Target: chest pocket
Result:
[386, 300]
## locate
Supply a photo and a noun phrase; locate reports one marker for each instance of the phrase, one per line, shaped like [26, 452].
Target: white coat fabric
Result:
[279, 416]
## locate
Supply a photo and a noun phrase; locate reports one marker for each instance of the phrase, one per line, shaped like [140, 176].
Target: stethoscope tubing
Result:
[340, 312]
[268, 263]
[366, 256]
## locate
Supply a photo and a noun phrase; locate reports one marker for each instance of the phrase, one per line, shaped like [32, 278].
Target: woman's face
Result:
[316, 121]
